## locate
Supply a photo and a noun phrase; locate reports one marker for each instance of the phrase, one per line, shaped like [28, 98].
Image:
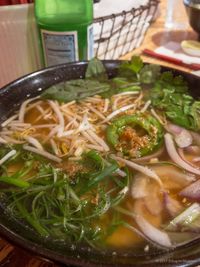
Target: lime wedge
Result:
[191, 47]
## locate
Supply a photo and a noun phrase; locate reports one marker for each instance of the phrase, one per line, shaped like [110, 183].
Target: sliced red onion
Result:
[173, 128]
[184, 139]
[193, 149]
[175, 174]
[197, 159]
[139, 187]
[173, 207]
[171, 149]
[192, 191]
[196, 138]
[150, 231]
[143, 169]
[149, 157]
[153, 233]
[153, 203]
[182, 155]
[182, 136]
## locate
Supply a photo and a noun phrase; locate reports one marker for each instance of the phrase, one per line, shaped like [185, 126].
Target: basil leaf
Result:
[96, 70]
[75, 90]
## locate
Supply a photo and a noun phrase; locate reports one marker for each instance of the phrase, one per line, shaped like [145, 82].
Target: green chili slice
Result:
[135, 135]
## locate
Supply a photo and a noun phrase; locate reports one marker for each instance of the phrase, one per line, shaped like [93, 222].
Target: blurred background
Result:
[118, 29]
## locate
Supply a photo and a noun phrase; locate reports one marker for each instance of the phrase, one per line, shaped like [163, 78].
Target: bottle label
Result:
[90, 42]
[59, 47]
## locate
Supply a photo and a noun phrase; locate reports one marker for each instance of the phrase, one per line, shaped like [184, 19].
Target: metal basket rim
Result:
[132, 10]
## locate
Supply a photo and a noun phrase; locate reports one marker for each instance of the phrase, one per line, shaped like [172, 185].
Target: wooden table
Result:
[157, 35]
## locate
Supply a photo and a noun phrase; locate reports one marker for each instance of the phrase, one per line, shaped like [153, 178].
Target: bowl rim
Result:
[39, 249]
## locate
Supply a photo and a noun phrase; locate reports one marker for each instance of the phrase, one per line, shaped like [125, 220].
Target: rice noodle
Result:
[34, 142]
[17, 129]
[71, 123]
[12, 140]
[116, 112]
[59, 114]
[5, 131]
[7, 156]
[20, 124]
[5, 123]
[66, 133]
[115, 102]
[171, 149]
[40, 126]
[78, 152]
[84, 125]
[42, 153]
[106, 105]
[128, 93]
[89, 138]
[95, 147]
[54, 147]
[51, 134]
[23, 106]
[40, 109]
[99, 140]
[143, 169]
[147, 104]
[157, 116]
[99, 114]
[70, 113]
[92, 99]
[3, 141]
[64, 106]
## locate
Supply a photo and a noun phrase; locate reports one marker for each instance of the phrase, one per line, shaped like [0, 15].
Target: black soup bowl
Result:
[11, 96]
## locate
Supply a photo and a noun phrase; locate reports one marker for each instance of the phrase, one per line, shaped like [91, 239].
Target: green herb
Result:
[128, 68]
[96, 70]
[95, 82]
[170, 94]
[66, 208]
[149, 73]
[75, 90]
[135, 70]
[12, 181]
[187, 220]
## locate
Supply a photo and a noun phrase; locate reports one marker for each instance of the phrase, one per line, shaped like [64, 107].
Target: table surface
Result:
[157, 34]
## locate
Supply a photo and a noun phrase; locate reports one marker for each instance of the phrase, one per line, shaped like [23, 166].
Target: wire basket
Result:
[117, 34]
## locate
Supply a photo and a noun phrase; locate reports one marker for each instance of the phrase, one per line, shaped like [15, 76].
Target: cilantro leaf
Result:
[170, 94]
[131, 68]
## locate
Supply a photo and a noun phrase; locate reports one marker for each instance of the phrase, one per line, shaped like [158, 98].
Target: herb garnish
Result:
[68, 208]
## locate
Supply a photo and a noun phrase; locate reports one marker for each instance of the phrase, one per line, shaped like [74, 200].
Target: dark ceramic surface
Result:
[193, 12]
[11, 96]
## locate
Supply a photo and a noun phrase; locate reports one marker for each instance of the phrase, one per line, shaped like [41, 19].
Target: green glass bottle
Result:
[65, 29]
